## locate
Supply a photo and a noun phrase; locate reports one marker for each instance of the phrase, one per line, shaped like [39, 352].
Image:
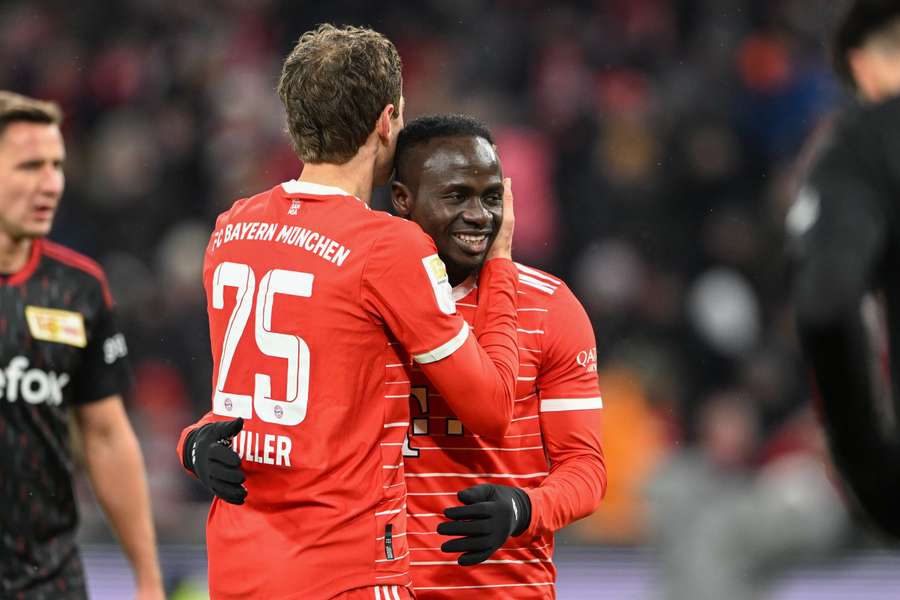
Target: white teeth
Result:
[470, 239]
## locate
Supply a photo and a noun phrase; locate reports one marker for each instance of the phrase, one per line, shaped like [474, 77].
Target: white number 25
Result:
[291, 410]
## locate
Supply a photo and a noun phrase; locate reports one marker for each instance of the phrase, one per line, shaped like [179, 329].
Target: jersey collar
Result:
[313, 189]
[30, 267]
[465, 288]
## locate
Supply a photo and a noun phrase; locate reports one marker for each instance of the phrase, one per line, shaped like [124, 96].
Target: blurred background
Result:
[656, 147]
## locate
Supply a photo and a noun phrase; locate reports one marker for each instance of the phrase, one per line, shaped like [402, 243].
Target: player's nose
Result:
[475, 213]
[52, 182]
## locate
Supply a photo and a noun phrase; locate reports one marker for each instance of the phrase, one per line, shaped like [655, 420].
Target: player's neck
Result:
[14, 253]
[458, 276]
[354, 176]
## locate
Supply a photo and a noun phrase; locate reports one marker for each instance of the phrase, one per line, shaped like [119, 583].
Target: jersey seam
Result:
[362, 275]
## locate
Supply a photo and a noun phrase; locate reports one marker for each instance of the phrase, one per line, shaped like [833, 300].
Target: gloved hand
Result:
[208, 454]
[492, 514]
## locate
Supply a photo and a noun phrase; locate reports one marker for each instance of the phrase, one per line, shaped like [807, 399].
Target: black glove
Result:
[492, 514]
[217, 466]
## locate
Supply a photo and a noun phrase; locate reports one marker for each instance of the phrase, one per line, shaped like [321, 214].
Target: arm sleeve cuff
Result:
[444, 350]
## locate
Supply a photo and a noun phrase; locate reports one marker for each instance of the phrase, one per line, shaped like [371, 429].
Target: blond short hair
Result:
[17, 108]
[334, 85]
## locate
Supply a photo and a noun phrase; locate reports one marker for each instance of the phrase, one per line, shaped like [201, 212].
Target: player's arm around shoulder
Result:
[405, 286]
[570, 416]
[486, 370]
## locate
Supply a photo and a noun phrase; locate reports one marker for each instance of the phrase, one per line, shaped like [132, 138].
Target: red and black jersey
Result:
[59, 347]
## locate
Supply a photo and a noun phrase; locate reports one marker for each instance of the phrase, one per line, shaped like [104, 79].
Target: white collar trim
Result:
[316, 189]
[465, 288]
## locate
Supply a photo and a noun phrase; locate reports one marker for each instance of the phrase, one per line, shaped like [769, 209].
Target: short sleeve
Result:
[104, 370]
[405, 286]
[568, 375]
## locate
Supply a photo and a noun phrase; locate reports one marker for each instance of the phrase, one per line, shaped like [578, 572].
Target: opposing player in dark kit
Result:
[847, 242]
[60, 352]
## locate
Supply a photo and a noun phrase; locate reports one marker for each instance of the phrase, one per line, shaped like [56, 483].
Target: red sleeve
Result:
[479, 380]
[207, 418]
[570, 419]
[405, 287]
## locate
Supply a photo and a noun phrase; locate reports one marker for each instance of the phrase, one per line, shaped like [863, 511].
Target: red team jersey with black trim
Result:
[312, 298]
[552, 450]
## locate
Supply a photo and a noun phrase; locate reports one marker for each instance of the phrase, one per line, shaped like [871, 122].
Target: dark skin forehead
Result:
[445, 160]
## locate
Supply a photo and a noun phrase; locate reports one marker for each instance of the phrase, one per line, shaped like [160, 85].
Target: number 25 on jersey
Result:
[291, 410]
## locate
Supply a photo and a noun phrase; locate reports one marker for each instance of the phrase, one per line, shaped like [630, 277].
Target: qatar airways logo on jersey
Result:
[34, 386]
[587, 359]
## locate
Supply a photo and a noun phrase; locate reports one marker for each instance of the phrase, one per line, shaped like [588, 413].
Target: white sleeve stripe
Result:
[444, 350]
[480, 448]
[473, 587]
[561, 404]
[482, 475]
[486, 562]
[537, 273]
[536, 283]
[392, 576]
[390, 512]
[381, 560]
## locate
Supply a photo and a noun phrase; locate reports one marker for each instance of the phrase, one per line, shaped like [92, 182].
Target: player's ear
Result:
[385, 124]
[863, 67]
[401, 199]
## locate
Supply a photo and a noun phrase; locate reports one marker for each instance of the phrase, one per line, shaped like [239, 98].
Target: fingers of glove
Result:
[229, 492]
[223, 455]
[222, 430]
[226, 474]
[463, 528]
[473, 558]
[482, 510]
[476, 493]
[467, 544]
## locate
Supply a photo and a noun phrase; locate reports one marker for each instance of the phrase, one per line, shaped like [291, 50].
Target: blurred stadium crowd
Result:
[654, 145]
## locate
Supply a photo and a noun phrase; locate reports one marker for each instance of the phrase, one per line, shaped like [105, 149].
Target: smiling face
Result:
[31, 178]
[453, 188]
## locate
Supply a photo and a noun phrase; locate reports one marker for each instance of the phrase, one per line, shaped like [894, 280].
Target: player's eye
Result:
[493, 200]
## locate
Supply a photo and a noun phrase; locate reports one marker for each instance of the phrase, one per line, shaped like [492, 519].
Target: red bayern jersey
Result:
[552, 449]
[311, 298]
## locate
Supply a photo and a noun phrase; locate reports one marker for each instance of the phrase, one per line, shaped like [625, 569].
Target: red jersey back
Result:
[557, 375]
[305, 287]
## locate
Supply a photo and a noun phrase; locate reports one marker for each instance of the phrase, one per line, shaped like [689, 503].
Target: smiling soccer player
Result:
[548, 470]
